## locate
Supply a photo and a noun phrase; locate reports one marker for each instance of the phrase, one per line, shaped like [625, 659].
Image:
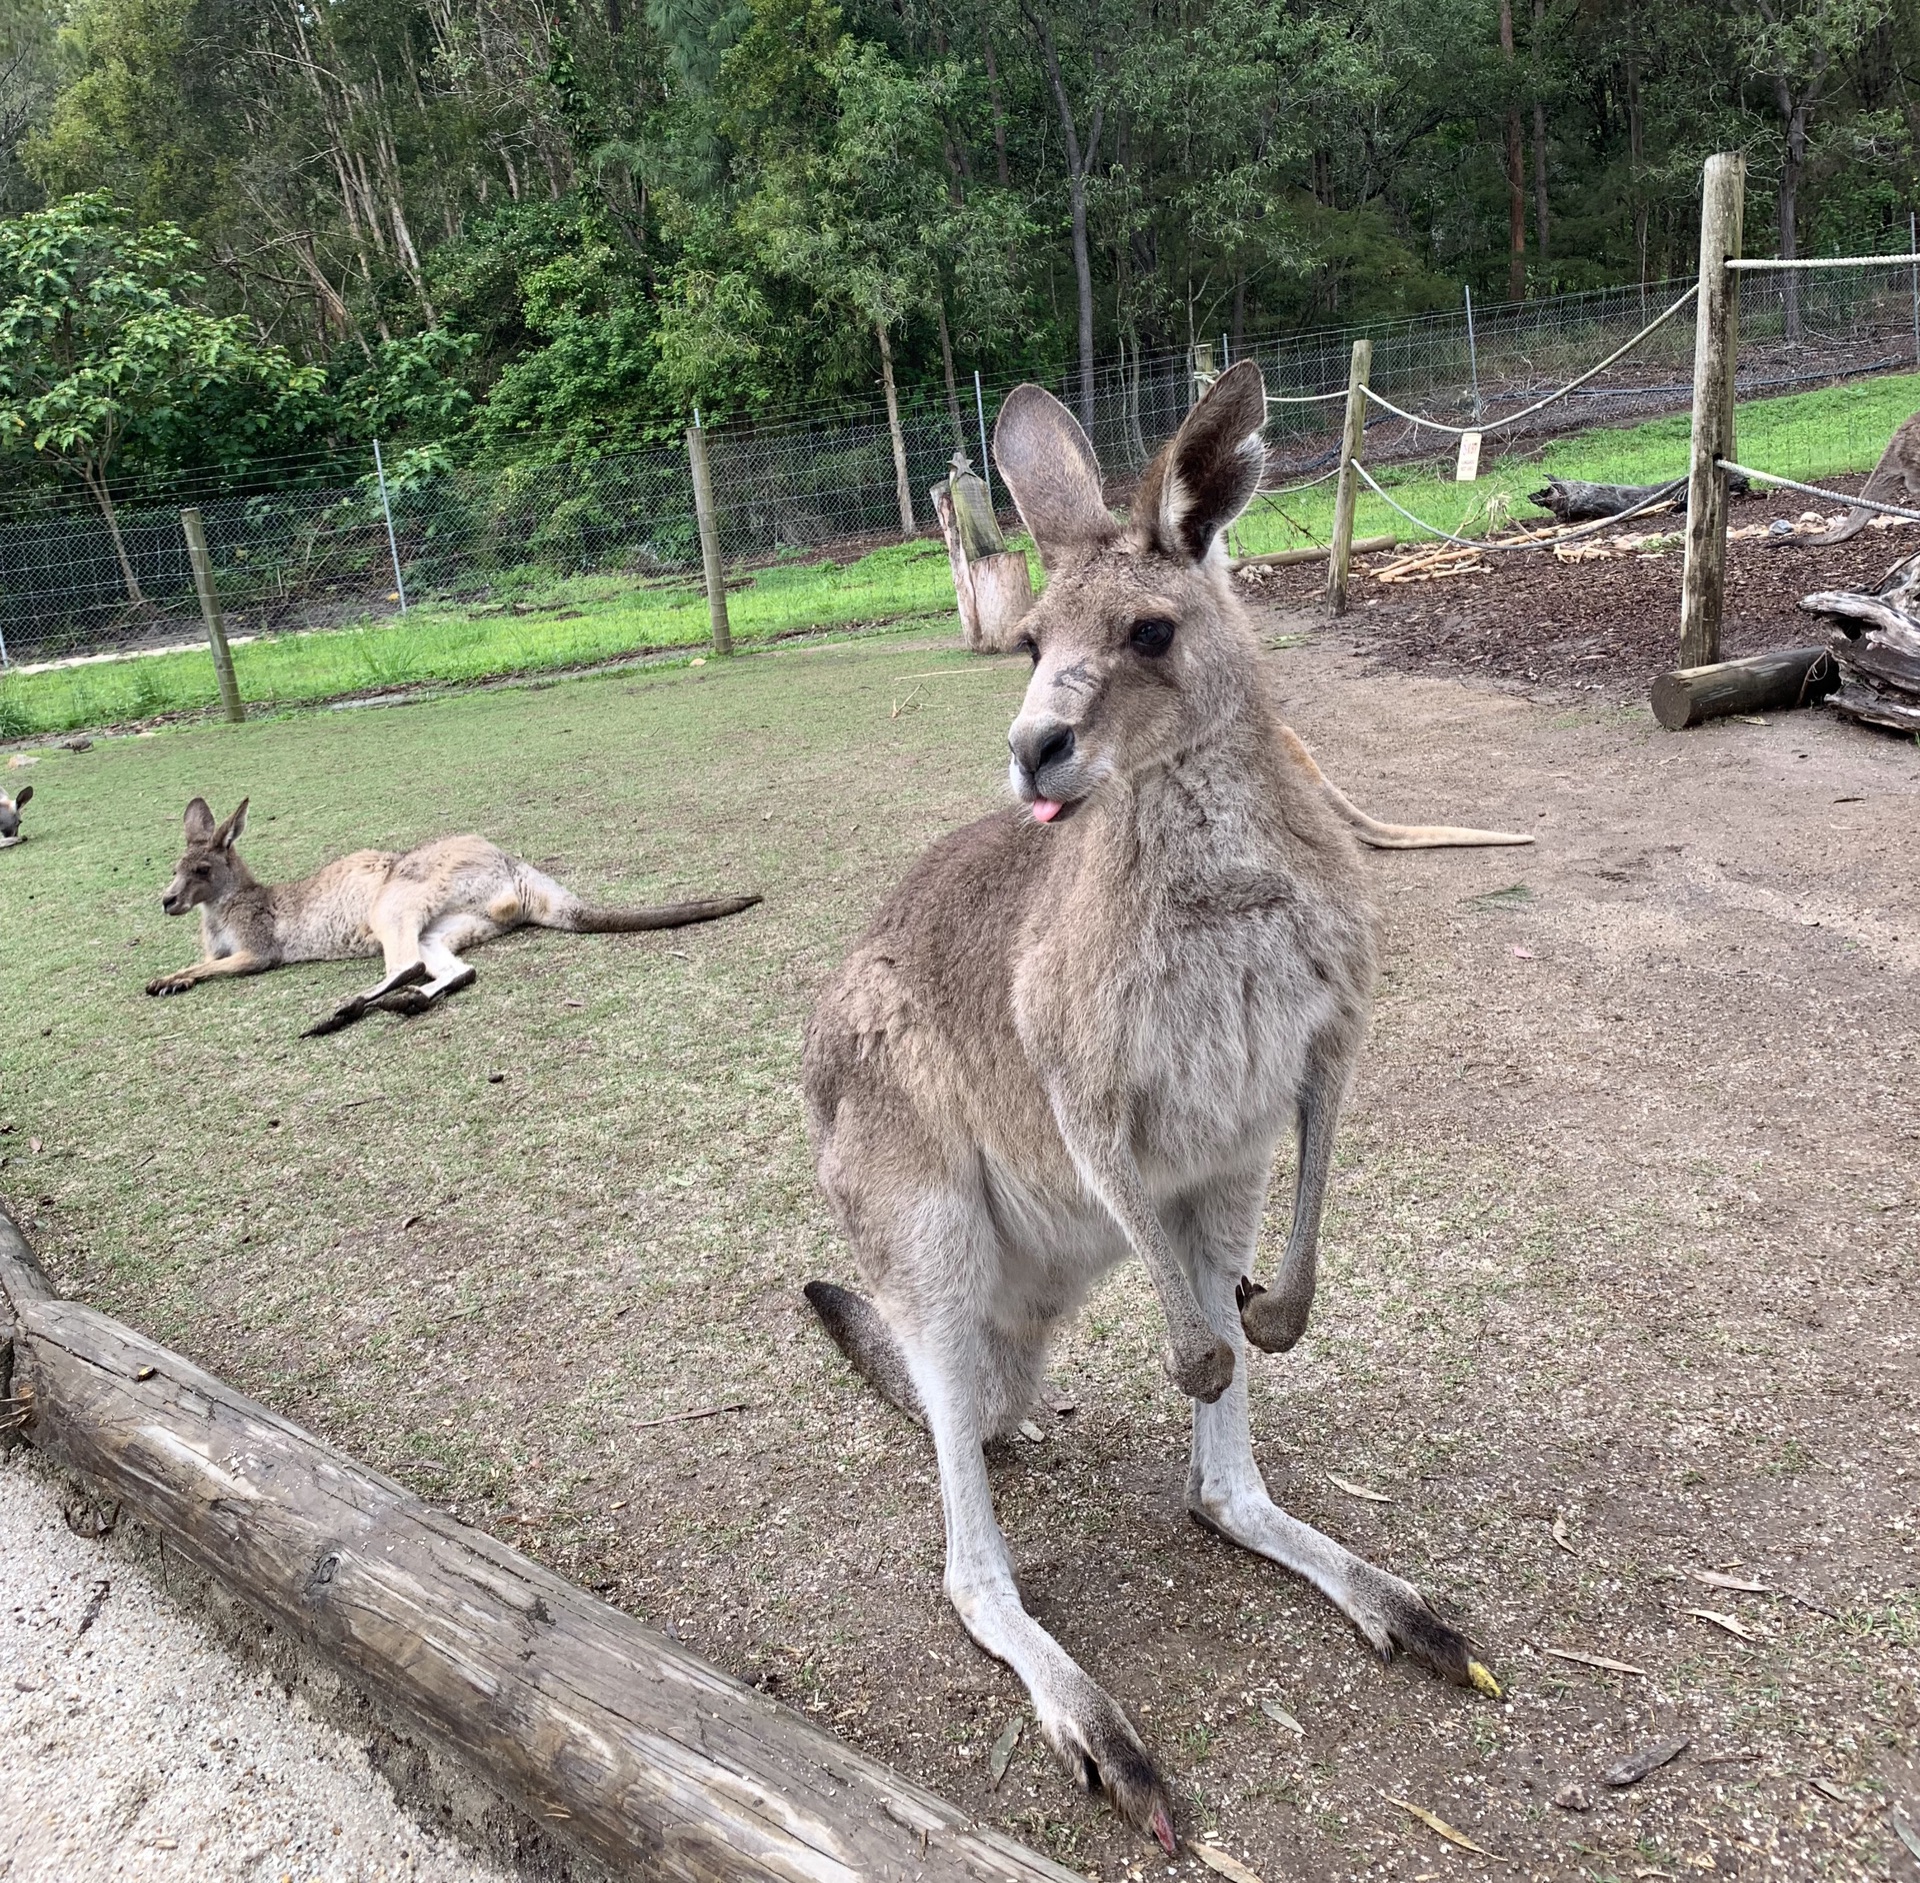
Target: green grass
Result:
[580, 621]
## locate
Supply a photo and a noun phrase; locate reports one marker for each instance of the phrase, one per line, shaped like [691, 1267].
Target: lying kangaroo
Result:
[10, 809]
[1897, 475]
[1080, 1028]
[418, 909]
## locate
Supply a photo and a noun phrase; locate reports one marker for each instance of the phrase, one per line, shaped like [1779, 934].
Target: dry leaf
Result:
[1828, 1789]
[1560, 1531]
[1281, 1717]
[1525, 954]
[1357, 1490]
[1731, 1624]
[1437, 1825]
[1906, 1834]
[33, 1144]
[1002, 1753]
[1229, 1867]
[1594, 1660]
[1649, 1759]
[1030, 1432]
[1715, 1580]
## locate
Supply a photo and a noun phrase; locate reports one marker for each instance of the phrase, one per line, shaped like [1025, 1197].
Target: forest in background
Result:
[550, 228]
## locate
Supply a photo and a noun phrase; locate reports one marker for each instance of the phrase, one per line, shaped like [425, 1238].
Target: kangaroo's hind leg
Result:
[395, 925]
[443, 970]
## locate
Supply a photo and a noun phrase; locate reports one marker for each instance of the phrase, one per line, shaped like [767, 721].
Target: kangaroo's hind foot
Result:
[410, 1002]
[355, 1006]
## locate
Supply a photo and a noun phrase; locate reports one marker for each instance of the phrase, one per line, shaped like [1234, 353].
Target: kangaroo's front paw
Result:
[1270, 1320]
[169, 983]
[1096, 1742]
[1395, 1618]
[1202, 1372]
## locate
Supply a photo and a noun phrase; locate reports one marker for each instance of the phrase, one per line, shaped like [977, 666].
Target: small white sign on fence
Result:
[1469, 466]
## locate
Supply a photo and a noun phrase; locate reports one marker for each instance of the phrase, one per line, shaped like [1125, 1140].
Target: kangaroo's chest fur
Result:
[322, 917]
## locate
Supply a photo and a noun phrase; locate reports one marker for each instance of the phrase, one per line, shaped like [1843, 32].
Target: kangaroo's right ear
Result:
[26, 791]
[234, 828]
[1054, 476]
[199, 821]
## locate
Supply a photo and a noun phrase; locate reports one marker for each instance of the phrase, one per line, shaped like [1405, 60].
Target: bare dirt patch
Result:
[1624, 1240]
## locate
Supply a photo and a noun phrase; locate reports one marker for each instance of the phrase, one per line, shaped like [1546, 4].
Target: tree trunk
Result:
[1794, 112]
[1079, 164]
[1540, 223]
[1239, 312]
[946, 367]
[98, 486]
[1516, 173]
[999, 113]
[1637, 143]
[900, 478]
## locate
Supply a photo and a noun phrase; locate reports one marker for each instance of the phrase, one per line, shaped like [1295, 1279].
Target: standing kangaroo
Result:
[1897, 475]
[1080, 1028]
[419, 909]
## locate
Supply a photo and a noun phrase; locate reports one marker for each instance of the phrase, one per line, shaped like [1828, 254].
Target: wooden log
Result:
[612, 1736]
[1003, 595]
[1703, 581]
[963, 590]
[1347, 492]
[1792, 676]
[1573, 500]
[1288, 558]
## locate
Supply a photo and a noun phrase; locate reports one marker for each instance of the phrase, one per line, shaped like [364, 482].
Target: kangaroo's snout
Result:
[1037, 745]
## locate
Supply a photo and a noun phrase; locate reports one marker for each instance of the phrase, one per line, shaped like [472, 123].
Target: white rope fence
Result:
[1539, 405]
[1811, 490]
[1759, 263]
[1664, 495]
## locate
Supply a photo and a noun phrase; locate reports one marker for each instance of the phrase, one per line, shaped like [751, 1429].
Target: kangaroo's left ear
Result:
[230, 832]
[1208, 475]
[26, 791]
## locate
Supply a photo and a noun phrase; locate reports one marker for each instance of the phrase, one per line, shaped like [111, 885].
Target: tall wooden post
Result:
[210, 613]
[1716, 351]
[716, 575]
[1347, 495]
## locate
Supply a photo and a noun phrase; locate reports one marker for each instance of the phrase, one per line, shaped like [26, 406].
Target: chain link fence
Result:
[304, 546]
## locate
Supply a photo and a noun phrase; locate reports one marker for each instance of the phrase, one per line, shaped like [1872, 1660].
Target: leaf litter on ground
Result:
[1357, 1490]
[1438, 1825]
[1732, 1624]
[1229, 1867]
[1281, 1717]
[1649, 1759]
[1002, 1754]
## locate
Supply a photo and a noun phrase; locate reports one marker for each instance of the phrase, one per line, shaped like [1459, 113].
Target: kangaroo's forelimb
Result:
[1372, 832]
[214, 968]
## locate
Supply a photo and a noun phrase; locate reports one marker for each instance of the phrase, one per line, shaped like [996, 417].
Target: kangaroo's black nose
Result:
[1043, 743]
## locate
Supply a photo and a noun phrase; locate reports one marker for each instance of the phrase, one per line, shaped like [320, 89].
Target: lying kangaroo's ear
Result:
[199, 821]
[1208, 475]
[26, 791]
[1054, 476]
[230, 832]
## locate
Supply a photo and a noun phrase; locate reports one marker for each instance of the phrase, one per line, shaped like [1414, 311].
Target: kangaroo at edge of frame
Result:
[1079, 1030]
[417, 908]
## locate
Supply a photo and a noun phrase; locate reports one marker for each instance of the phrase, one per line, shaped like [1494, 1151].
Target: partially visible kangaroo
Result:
[10, 809]
[1897, 475]
[1080, 1028]
[418, 908]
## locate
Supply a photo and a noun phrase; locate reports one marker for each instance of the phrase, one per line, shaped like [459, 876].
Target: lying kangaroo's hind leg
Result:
[448, 973]
[1226, 1492]
[397, 930]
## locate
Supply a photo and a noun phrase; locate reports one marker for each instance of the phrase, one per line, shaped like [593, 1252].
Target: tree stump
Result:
[1876, 647]
[991, 582]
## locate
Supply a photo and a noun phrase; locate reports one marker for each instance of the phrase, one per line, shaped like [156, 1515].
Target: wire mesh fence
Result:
[805, 504]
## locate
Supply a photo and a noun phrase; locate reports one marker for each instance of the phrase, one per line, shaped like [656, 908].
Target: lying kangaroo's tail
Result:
[1391, 836]
[582, 920]
[860, 1331]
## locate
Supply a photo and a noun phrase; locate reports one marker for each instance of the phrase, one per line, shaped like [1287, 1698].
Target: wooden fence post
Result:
[716, 575]
[210, 613]
[1716, 352]
[1340, 555]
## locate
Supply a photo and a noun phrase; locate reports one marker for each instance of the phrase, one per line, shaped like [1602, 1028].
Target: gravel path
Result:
[133, 1744]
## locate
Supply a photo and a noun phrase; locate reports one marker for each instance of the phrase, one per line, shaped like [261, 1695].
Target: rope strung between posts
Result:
[1814, 490]
[1305, 398]
[1539, 405]
[1760, 262]
[1291, 490]
[1663, 495]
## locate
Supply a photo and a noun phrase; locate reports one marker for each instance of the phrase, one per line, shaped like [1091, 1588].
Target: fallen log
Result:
[1877, 647]
[1574, 501]
[1286, 558]
[1776, 682]
[612, 1736]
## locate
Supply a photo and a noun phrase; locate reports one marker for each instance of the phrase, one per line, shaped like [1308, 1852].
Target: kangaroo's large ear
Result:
[26, 791]
[1054, 476]
[1208, 475]
[231, 831]
[199, 821]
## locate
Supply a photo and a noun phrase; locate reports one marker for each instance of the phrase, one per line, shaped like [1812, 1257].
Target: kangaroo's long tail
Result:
[860, 1331]
[1381, 836]
[581, 918]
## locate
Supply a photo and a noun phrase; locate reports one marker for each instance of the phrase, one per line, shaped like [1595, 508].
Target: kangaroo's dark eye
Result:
[1028, 646]
[1153, 636]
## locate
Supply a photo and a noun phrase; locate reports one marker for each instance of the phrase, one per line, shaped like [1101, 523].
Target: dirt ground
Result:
[1619, 1279]
[1597, 629]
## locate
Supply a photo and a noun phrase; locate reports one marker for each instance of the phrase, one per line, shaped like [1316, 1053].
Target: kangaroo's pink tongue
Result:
[1045, 810]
